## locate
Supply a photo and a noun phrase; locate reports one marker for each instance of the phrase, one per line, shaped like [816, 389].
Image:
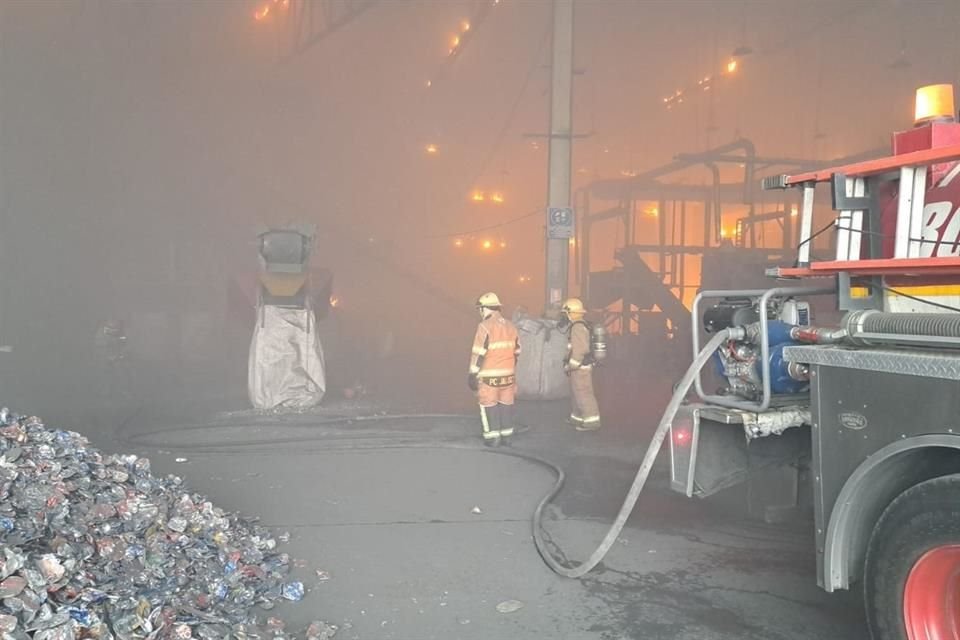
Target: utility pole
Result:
[559, 211]
[6, 261]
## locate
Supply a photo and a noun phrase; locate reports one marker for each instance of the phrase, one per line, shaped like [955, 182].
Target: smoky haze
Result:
[143, 143]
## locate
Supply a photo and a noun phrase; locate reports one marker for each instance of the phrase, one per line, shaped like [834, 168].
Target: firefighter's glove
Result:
[473, 382]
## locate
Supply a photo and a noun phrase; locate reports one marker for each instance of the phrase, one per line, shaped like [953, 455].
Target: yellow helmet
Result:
[488, 300]
[573, 307]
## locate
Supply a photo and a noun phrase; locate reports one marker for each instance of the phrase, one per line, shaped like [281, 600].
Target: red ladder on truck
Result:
[907, 258]
[918, 252]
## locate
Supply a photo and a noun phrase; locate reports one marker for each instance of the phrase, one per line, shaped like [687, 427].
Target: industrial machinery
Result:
[286, 367]
[284, 254]
[674, 236]
[871, 406]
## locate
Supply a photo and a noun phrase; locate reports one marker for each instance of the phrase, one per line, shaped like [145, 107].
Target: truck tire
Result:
[912, 572]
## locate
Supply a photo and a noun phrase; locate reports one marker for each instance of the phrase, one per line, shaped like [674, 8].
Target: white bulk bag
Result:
[286, 367]
[543, 347]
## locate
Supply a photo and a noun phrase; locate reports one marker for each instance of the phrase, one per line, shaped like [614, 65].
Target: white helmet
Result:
[573, 308]
[489, 300]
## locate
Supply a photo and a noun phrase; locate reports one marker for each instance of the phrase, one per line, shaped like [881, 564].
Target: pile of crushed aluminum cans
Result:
[95, 546]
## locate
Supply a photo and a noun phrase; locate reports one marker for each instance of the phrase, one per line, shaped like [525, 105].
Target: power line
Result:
[529, 214]
[844, 17]
[883, 287]
[332, 21]
[498, 141]
[867, 232]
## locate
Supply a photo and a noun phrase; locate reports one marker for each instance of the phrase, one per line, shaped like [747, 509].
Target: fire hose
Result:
[640, 480]
[155, 439]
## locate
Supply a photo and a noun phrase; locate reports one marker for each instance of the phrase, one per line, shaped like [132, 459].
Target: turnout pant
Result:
[585, 412]
[496, 410]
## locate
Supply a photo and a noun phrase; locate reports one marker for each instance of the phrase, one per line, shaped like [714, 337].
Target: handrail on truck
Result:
[850, 181]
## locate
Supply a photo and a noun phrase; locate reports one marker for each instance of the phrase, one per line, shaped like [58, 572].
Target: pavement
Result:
[407, 528]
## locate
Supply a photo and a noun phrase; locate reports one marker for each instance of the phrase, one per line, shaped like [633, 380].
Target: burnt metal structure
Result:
[650, 280]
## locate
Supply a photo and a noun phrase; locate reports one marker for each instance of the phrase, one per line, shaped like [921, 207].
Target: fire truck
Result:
[866, 408]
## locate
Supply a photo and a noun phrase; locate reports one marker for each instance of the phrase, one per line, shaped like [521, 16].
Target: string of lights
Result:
[467, 32]
[512, 113]
[478, 196]
[703, 85]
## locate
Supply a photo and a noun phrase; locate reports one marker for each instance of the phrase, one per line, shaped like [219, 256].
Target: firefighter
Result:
[492, 375]
[585, 414]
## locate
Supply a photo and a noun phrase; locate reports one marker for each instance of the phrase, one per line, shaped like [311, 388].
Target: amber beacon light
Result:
[934, 102]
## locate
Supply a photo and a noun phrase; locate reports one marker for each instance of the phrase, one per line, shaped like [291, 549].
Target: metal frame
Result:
[764, 300]
[877, 166]
[921, 363]
[904, 267]
[912, 199]
[651, 185]
[729, 432]
[806, 224]
[849, 219]
[647, 186]
[907, 261]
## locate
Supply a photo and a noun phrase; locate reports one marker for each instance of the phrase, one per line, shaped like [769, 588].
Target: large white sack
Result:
[286, 367]
[543, 347]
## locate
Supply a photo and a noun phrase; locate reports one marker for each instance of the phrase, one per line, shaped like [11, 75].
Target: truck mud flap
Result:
[707, 456]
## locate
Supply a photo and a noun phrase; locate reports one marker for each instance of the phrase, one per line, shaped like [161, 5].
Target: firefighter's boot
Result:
[507, 415]
[490, 421]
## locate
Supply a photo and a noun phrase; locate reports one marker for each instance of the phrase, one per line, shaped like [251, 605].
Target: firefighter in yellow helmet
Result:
[493, 364]
[585, 415]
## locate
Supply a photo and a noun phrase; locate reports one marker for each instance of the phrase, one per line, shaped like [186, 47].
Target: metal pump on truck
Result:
[872, 405]
[739, 361]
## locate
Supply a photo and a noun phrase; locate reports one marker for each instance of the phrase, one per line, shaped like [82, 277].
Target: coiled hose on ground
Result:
[540, 540]
[642, 473]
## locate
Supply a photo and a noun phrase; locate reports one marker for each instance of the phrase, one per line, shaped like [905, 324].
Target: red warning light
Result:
[681, 437]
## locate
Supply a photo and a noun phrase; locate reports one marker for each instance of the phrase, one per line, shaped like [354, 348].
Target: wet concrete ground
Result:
[387, 510]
